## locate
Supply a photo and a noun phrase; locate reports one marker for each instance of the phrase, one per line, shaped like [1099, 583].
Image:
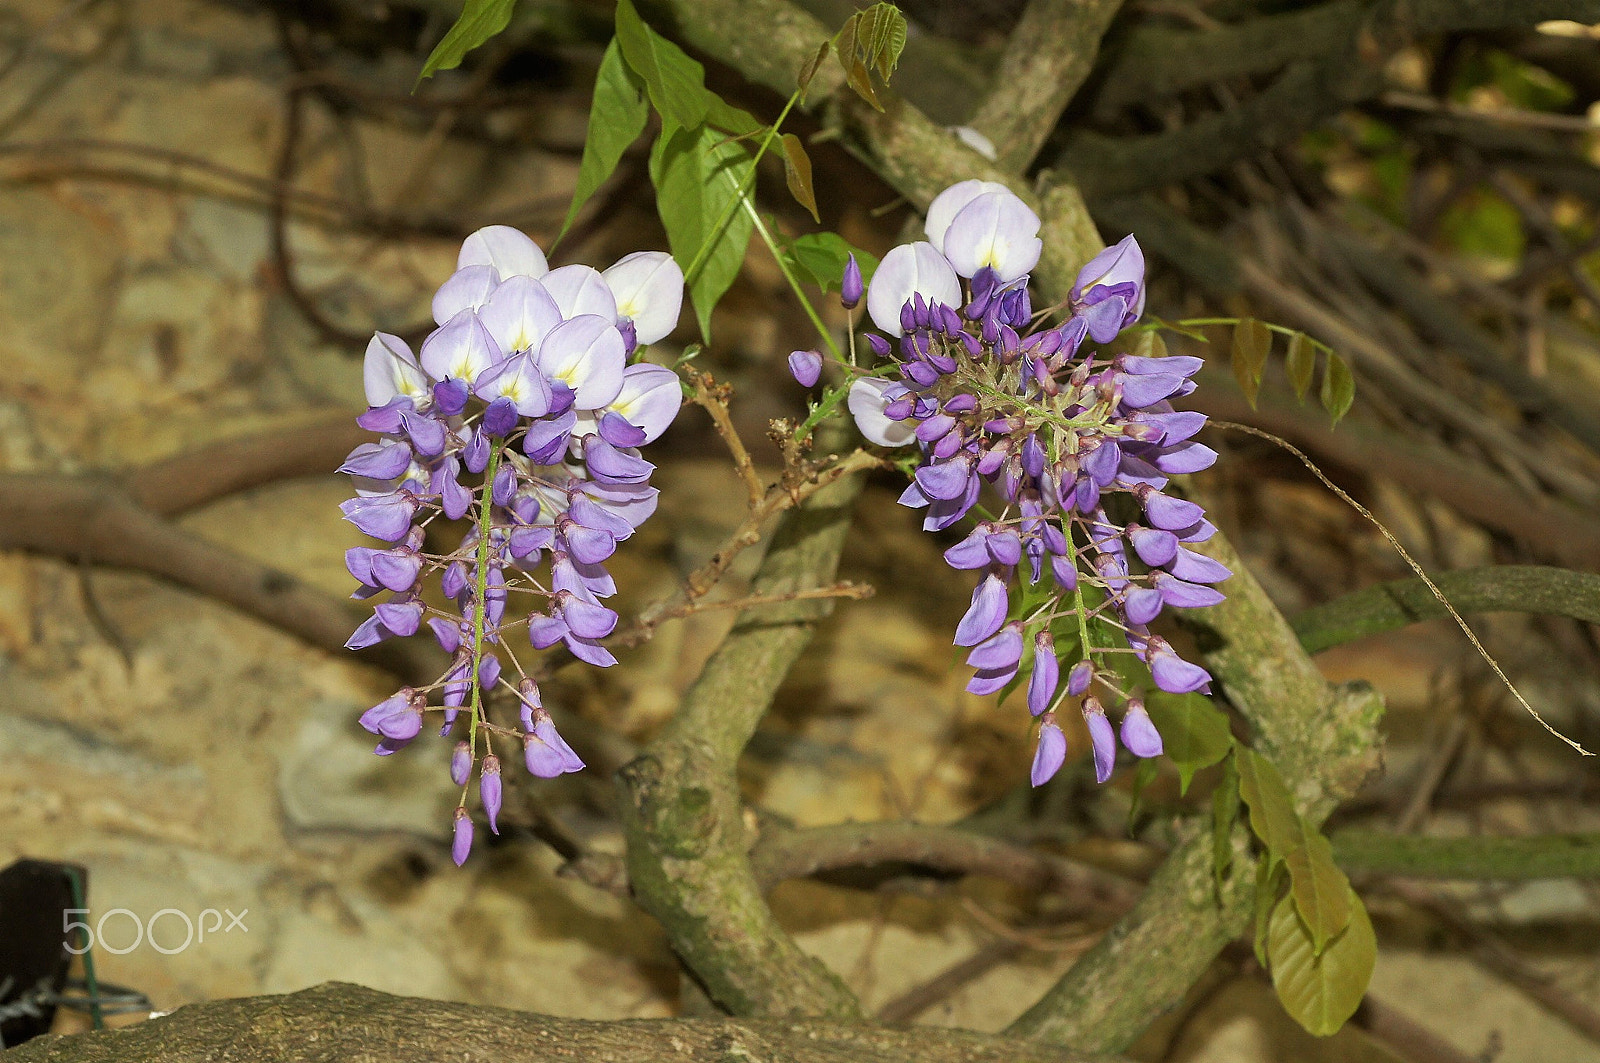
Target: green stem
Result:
[481, 610]
[742, 190]
[788, 275]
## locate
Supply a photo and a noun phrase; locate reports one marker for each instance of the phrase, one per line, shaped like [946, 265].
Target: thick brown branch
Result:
[349, 1023]
[1050, 53]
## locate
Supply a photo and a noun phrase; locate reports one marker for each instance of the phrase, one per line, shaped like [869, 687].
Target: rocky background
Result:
[204, 208]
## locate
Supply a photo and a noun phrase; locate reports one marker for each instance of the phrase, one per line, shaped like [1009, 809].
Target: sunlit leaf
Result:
[676, 83]
[616, 118]
[1320, 890]
[1338, 387]
[797, 172]
[1194, 732]
[870, 42]
[1252, 342]
[1302, 363]
[730, 119]
[1321, 992]
[1272, 812]
[480, 21]
[697, 174]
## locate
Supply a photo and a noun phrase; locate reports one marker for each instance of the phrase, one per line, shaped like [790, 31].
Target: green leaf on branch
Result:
[1252, 342]
[1320, 890]
[1272, 812]
[676, 83]
[1194, 732]
[870, 42]
[1338, 387]
[698, 175]
[797, 172]
[823, 257]
[809, 71]
[617, 116]
[1270, 876]
[730, 119]
[1224, 811]
[1302, 363]
[1321, 991]
[480, 21]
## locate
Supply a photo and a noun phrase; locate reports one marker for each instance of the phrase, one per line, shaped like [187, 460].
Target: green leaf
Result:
[1338, 387]
[730, 119]
[882, 38]
[823, 256]
[809, 70]
[1272, 813]
[1320, 890]
[1302, 362]
[675, 82]
[698, 174]
[480, 21]
[1194, 732]
[797, 172]
[1224, 811]
[870, 41]
[1252, 342]
[617, 116]
[1269, 884]
[1321, 991]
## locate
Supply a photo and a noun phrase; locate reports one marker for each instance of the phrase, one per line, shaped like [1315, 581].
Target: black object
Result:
[35, 897]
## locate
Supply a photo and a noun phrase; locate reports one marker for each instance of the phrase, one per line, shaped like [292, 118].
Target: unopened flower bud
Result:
[851, 288]
[461, 840]
[461, 764]
[489, 790]
[806, 367]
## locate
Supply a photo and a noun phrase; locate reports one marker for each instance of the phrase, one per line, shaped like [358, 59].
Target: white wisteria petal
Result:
[650, 398]
[518, 379]
[866, 406]
[997, 230]
[587, 355]
[511, 252]
[648, 286]
[579, 289]
[467, 289]
[907, 270]
[520, 314]
[390, 371]
[460, 348]
[947, 204]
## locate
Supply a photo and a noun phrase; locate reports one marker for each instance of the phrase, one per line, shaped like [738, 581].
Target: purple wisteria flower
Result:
[523, 412]
[1075, 443]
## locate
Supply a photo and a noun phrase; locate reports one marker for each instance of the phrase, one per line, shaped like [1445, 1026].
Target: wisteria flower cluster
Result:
[992, 393]
[525, 413]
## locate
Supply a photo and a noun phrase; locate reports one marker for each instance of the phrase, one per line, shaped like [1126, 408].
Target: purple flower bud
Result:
[986, 614]
[1101, 738]
[461, 837]
[450, 396]
[1166, 512]
[619, 432]
[806, 367]
[1051, 752]
[1001, 651]
[398, 719]
[1046, 674]
[384, 460]
[1154, 546]
[1174, 674]
[489, 790]
[1140, 605]
[1139, 734]
[1186, 565]
[1184, 595]
[454, 580]
[499, 419]
[386, 517]
[461, 764]
[851, 287]
[546, 753]
[1080, 677]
